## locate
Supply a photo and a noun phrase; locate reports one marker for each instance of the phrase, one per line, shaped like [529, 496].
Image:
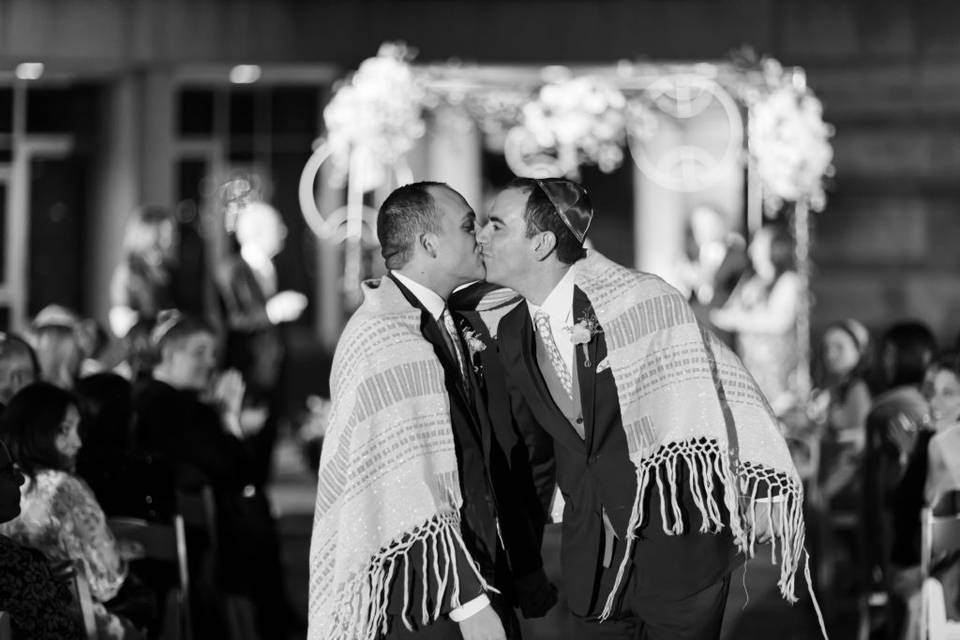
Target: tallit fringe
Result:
[705, 462]
[360, 612]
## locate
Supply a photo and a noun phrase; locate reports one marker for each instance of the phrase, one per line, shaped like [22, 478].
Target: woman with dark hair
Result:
[190, 418]
[39, 604]
[762, 311]
[893, 470]
[59, 514]
[943, 471]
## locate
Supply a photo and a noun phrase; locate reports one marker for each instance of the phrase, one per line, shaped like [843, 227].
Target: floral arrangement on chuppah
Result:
[375, 116]
[576, 120]
[790, 141]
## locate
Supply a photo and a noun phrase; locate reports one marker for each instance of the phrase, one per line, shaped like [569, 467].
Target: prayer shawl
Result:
[685, 398]
[388, 475]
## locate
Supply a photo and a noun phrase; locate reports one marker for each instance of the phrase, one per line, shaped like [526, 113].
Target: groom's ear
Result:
[430, 243]
[544, 245]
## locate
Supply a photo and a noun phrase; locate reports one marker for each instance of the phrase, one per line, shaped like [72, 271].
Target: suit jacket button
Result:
[594, 458]
[579, 420]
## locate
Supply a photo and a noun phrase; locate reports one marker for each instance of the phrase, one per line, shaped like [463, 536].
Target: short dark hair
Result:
[406, 213]
[14, 347]
[541, 215]
[914, 346]
[947, 361]
[31, 423]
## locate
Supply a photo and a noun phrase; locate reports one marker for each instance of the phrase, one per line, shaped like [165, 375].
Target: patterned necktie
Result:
[453, 343]
[542, 321]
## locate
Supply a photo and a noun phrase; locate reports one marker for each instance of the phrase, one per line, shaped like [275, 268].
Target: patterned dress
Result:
[61, 517]
[40, 605]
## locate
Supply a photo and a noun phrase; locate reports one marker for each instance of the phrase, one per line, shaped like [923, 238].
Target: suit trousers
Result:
[447, 629]
[651, 617]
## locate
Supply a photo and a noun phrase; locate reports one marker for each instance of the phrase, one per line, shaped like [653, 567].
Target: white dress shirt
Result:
[559, 306]
[435, 305]
[263, 269]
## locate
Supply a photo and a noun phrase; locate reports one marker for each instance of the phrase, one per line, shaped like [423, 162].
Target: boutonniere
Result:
[582, 333]
[474, 344]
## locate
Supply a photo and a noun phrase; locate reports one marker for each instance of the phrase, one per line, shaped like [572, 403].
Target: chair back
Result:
[940, 529]
[166, 543]
[198, 510]
[5, 632]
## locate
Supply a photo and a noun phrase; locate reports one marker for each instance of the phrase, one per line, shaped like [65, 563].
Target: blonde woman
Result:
[142, 283]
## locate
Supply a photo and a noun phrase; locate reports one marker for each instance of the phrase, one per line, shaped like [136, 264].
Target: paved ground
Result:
[755, 610]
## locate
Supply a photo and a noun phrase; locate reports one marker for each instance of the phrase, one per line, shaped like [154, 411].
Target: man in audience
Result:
[18, 366]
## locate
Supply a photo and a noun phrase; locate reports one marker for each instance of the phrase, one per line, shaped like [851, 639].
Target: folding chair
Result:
[5, 632]
[166, 543]
[940, 536]
[83, 598]
[199, 512]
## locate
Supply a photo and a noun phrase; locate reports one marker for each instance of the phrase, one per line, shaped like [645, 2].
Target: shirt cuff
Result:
[464, 611]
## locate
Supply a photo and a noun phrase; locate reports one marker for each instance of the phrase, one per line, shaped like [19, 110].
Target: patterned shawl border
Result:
[360, 609]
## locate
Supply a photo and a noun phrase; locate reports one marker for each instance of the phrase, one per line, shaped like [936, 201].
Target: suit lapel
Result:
[587, 375]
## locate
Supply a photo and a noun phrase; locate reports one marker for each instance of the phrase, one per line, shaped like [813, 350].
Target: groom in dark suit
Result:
[560, 384]
[426, 231]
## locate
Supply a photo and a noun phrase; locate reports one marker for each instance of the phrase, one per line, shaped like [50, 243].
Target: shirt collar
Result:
[559, 302]
[429, 298]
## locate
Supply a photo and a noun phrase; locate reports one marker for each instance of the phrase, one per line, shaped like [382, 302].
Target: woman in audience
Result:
[762, 311]
[897, 426]
[58, 345]
[39, 603]
[142, 283]
[60, 515]
[844, 405]
[943, 471]
[192, 419]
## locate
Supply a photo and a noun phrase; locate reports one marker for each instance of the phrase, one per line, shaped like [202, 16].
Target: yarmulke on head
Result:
[572, 203]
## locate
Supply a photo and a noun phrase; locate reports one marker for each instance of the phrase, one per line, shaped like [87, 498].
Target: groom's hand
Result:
[483, 625]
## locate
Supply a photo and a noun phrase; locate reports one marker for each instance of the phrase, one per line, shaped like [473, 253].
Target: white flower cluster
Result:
[791, 145]
[375, 117]
[584, 114]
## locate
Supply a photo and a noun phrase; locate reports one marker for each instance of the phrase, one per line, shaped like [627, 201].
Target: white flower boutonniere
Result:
[474, 344]
[582, 333]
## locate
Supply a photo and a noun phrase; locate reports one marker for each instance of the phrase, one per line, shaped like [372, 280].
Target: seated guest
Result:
[40, 605]
[943, 454]
[895, 426]
[58, 345]
[60, 515]
[845, 404]
[18, 366]
[201, 435]
[106, 411]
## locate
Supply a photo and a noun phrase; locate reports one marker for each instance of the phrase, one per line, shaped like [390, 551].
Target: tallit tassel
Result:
[362, 608]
